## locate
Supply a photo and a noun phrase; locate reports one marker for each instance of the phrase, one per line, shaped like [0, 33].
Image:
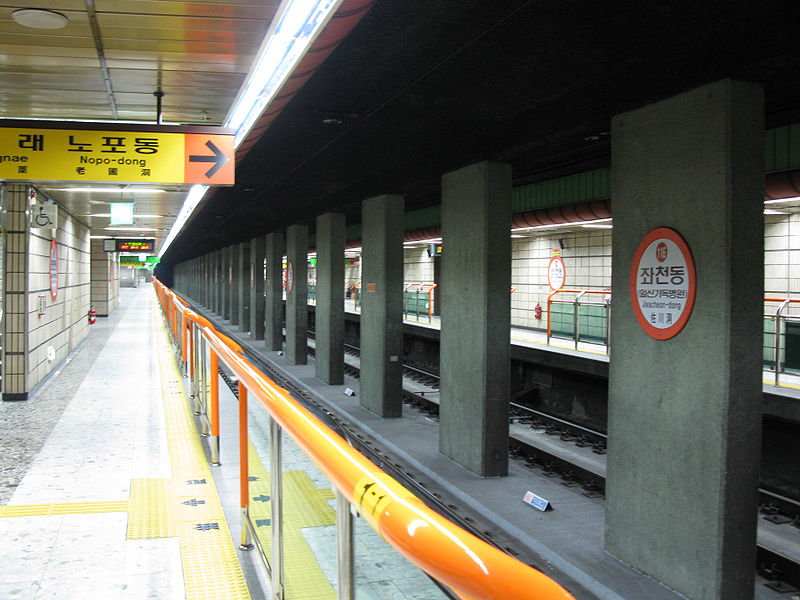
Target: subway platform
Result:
[105, 488]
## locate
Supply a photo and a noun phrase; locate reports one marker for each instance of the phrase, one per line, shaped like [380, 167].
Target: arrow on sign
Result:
[219, 159]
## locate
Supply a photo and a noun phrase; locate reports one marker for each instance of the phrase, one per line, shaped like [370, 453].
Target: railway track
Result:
[781, 571]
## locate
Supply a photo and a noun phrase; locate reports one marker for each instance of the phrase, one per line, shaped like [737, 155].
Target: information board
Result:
[35, 152]
[140, 245]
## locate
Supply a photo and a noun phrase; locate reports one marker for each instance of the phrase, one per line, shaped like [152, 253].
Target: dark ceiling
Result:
[421, 87]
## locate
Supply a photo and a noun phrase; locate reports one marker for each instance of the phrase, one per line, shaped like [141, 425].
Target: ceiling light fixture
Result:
[106, 190]
[782, 200]
[573, 224]
[39, 18]
[193, 198]
[284, 45]
[131, 228]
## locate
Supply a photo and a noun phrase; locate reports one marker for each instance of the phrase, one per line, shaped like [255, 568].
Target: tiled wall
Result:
[587, 263]
[105, 279]
[587, 260]
[16, 271]
[30, 336]
[65, 322]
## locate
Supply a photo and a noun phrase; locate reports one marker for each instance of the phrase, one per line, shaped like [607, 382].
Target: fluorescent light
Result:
[769, 211]
[573, 224]
[517, 236]
[599, 226]
[108, 190]
[428, 241]
[782, 200]
[192, 200]
[136, 216]
[122, 213]
[130, 228]
[100, 237]
[284, 45]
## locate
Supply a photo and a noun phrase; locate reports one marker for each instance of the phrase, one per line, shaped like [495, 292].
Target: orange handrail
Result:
[474, 569]
[563, 291]
[792, 300]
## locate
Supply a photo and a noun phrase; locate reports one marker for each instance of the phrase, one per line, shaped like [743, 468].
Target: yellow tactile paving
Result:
[67, 508]
[304, 505]
[210, 563]
[150, 507]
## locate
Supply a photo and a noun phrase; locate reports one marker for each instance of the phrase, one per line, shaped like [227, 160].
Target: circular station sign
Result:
[289, 277]
[556, 273]
[663, 283]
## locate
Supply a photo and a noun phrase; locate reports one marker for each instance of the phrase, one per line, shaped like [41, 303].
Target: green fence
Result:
[414, 303]
[592, 322]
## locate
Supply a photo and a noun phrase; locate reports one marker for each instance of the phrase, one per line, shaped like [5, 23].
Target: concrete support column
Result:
[257, 250]
[273, 286]
[206, 282]
[329, 361]
[242, 274]
[476, 317]
[217, 282]
[105, 288]
[297, 294]
[383, 219]
[225, 282]
[233, 280]
[684, 419]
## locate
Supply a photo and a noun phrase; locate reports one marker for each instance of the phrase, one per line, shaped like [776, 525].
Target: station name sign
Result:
[143, 246]
[104, 152]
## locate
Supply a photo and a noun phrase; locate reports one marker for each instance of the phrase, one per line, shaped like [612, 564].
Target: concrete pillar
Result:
[104, 288]
[242, 274]
[476, 317]
[381, 380]
[206, 281]
[329, 361]
[684, 418]
[227, 292]
[257, 249]
[297, 294]
[217, 282]
[273, 286]
[234, 279]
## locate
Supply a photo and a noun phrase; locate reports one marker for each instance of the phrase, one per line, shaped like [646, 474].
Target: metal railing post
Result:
[276, 502]
[344, 548]
[778, 321]
[244, 470]
[213, 374]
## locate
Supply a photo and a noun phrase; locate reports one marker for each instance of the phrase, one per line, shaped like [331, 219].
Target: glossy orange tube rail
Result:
[469, 566]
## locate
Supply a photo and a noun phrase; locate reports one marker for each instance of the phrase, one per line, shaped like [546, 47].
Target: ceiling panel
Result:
[197, 52]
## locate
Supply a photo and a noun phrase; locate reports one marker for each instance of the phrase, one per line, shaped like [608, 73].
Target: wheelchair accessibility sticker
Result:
[44, 216]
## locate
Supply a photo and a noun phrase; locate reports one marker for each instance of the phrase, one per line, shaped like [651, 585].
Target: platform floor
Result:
[106, 490]
[97, 467]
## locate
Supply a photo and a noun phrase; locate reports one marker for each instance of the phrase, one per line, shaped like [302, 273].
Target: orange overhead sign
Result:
[38, 151]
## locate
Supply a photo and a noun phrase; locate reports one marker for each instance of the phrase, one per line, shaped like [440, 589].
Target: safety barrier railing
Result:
[576, 303]
[779, 318]
[418, 289]
[470, 567]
